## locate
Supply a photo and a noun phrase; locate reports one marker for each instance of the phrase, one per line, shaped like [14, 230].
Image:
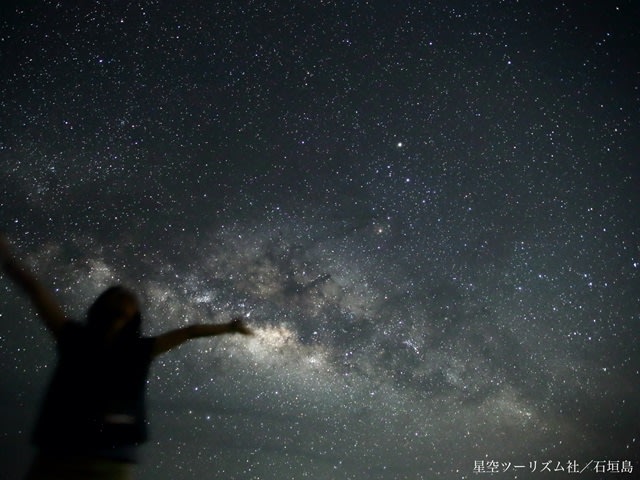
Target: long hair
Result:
[107, 308]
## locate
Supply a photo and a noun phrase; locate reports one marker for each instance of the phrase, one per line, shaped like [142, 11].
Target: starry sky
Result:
[428, 212]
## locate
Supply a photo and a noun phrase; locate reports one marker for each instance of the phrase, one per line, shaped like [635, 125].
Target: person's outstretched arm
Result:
[45, 303]
[173, 338]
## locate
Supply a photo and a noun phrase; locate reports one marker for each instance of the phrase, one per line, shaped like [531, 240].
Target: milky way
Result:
[428, 212]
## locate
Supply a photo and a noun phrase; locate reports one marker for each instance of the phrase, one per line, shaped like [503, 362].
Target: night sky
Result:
[428, 212]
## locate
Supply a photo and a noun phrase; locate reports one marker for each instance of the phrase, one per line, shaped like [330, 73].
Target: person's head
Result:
[115, 313]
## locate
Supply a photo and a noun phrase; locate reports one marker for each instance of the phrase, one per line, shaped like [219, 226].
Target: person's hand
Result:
[237, 326]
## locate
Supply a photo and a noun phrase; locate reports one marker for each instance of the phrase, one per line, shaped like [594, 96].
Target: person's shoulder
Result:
[145, 347]
[71, 327]
[71, 332]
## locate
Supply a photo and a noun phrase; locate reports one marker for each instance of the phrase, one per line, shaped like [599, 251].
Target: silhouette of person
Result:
[93, 416]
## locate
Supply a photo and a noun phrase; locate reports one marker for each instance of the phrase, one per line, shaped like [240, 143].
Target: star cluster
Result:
[426, 210]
